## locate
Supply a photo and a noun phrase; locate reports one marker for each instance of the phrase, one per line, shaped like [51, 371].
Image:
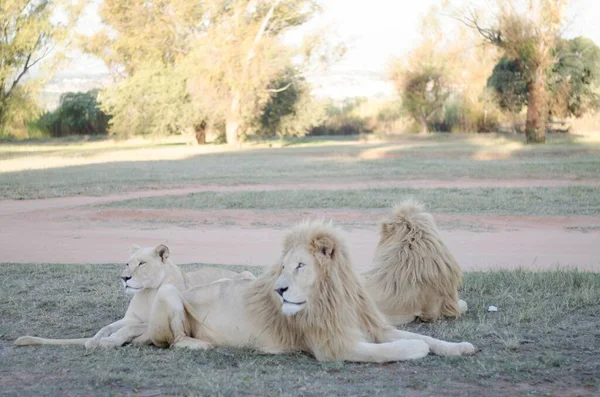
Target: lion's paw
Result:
[108, 343]
[466, 348]
[191, 343]
[454, 349]
[91, 343]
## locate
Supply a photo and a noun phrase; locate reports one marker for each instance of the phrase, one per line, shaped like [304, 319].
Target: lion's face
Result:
[144, 269]
[296, 281]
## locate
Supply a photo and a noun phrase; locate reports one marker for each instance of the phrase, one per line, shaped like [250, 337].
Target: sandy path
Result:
[62, 234]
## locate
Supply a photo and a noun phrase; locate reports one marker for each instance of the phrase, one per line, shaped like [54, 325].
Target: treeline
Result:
[222, 70]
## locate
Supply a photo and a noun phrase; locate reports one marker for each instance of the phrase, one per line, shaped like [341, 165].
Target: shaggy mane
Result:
[412, 264]
[339, 313]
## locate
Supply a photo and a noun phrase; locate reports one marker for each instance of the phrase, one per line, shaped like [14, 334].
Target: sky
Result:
[374, 31]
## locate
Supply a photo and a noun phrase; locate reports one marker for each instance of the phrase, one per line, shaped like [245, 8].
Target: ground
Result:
[500, 204]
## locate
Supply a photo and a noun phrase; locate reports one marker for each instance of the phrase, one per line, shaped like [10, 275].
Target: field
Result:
[517, 217]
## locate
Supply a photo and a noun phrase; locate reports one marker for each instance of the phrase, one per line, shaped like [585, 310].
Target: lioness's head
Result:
[145, 268]
[308, 249]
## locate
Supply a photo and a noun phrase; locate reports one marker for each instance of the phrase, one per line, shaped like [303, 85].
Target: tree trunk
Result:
[423, 125]
[200, 130]
[232, 124]
[535, 126]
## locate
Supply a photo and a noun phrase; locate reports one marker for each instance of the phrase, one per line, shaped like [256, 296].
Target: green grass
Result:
[29, 171]
[542, 341]
[574, 200]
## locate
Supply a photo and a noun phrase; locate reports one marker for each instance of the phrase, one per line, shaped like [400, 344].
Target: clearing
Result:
[498, 203]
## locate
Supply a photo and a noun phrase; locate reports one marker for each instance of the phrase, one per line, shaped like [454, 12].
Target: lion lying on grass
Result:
[414, 274]
[146, 271]
[311, 300]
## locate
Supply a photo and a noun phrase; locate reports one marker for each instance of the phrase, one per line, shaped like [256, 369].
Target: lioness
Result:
[311, 300]
[146, 271]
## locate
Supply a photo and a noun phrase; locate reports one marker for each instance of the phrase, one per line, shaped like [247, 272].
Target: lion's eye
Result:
[142, 263]
[300, 265]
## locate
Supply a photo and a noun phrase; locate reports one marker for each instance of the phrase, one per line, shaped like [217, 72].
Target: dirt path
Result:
[56, 231]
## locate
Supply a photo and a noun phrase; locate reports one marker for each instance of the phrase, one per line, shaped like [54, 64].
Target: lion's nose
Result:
[280, 291]
[125, 278]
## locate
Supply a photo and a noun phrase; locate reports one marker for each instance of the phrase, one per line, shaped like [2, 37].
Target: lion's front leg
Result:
[124, 335]
[437, 346]
[103, 333]
[400, 350]
[168, 320]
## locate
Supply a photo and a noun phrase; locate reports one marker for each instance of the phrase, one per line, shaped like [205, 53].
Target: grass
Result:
[105, 167]
[575, 200]
[542, 341]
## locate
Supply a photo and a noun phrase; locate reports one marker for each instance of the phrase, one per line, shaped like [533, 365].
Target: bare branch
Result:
[275, 90]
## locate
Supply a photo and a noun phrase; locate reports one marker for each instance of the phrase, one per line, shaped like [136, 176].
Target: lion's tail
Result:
[33, 340]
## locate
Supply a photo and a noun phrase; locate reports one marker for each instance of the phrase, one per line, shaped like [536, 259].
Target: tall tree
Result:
[226, 52]
[28, 34]
[572, 83]
[527, 32]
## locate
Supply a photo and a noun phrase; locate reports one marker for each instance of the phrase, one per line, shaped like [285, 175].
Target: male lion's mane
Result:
[412, 266]
[339, 313]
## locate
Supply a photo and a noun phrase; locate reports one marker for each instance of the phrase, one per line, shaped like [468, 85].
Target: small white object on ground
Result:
[492, 309]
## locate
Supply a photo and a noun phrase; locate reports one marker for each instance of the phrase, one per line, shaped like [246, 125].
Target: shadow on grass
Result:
[422, 159]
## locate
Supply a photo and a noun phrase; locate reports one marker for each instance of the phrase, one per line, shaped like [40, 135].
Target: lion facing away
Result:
[311, 300]
[145, 272]
[413, 274]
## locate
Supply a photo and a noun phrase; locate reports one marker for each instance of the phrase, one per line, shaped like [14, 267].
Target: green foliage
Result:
[575, 79]
[77, 114]
[198, 64]
[291, 110]
[152, 101]
[509, 85]
[342, 118]
[572, 84]
[27, 36]
[460, 115]
[17, 114]
[424, 92]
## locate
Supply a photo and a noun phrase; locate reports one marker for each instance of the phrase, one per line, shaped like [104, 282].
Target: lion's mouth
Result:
[294, 303]
[133, 288]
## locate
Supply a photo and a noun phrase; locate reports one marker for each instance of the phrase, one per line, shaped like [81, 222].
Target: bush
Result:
[291, 110]
[77, 114]
[460, 115]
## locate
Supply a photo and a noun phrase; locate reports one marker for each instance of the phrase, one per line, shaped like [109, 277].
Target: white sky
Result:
[374, 31]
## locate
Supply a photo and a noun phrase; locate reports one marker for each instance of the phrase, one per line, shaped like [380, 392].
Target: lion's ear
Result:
[162, 251]
[325, 246]
[134, 250]
[387, 228]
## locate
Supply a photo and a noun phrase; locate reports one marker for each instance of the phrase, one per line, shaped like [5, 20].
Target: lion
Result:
[311, 300]
[146, 271]
[414, 275]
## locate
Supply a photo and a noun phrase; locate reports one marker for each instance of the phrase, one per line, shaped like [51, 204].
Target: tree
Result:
[572, 82]
[27, 37]
[575, 79]
[423, 95]
[509, 86]
[225, 53]
[527, 34]
[422, 78]
[291, 110]
[77, 114]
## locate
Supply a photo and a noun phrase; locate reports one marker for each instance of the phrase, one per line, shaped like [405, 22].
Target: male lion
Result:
[311, 300]
[146, 271]
[414, 274]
